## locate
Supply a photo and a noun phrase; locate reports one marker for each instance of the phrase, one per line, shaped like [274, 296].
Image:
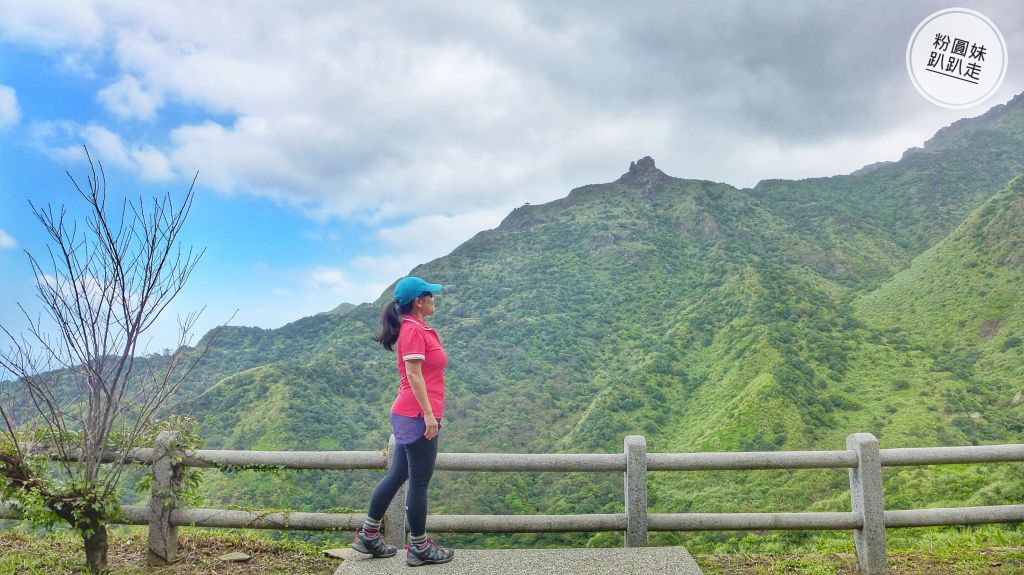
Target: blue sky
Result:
[338, 145]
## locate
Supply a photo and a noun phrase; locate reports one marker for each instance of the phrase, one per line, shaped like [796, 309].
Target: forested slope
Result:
[702, 316]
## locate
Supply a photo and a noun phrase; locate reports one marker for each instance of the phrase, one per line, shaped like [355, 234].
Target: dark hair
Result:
[390, 324]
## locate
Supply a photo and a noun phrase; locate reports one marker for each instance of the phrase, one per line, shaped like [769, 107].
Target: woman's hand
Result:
[432, 426]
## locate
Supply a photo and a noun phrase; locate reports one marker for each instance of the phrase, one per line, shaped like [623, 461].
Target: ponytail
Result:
[390, 324]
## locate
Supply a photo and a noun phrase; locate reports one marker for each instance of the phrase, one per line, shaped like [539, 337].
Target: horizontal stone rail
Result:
[326, 460]
[821, 521]
[954, 516]
[946, 455]
[526, 523]
[753, 521]
[292, 520]
[863, 459]
[303, 521]
[140, 455]
[751, 460]
[519, 462]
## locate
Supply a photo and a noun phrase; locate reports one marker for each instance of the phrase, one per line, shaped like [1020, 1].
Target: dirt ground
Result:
[27, 555]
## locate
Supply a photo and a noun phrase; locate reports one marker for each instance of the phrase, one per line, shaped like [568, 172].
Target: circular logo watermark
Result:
[956, 58]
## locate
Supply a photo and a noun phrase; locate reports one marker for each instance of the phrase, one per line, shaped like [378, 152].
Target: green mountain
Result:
[702, 316]
[963, 300]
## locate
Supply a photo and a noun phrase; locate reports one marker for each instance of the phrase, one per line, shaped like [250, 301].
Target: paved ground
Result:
[625, 561]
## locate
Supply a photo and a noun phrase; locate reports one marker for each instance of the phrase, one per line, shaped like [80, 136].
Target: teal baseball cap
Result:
[412, 287]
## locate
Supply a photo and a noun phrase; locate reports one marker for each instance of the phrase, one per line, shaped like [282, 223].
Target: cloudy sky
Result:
[338, 144]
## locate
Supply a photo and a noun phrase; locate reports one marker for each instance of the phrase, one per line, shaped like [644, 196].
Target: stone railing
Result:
[868, 518]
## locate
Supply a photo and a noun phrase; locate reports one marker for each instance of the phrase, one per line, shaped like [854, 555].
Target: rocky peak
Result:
[645, 175]
[643, 165]
[644, 162]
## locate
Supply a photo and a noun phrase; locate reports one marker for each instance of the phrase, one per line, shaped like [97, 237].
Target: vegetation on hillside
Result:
[701, 316]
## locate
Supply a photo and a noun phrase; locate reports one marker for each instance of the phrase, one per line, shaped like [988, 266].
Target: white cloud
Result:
[334, 284]
[356, 109]
[128, 99]
[382, 270]
[260, 157]
[330, 278]
[106, 146]
[63, 141]
[826, 158]
[364, 278]
[352, 110]
[427, 237]
[151, 164]
[313, 290]
[7, 241]
[9, 112]
[51, 24]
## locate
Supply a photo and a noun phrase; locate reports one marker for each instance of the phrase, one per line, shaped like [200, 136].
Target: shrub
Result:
[1010, 342]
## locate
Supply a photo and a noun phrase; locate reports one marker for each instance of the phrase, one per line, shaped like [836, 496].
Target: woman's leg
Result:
[368, 539]
[389, 486]
[422, 455]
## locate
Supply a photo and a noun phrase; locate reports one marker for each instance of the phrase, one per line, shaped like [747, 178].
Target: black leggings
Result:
[415, 462]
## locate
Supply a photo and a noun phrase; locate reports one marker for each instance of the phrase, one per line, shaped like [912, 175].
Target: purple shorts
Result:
[409, 429]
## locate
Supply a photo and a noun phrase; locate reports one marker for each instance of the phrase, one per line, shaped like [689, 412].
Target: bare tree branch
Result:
[104, 286]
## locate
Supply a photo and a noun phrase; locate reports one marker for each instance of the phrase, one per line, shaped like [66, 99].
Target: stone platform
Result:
[620, 561]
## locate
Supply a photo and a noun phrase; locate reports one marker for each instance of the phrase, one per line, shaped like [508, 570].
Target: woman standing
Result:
[415, 419]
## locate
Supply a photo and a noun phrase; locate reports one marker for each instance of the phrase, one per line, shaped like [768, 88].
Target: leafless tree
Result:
[80, 389]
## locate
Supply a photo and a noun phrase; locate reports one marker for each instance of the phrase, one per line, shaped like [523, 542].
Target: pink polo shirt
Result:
[417, 340]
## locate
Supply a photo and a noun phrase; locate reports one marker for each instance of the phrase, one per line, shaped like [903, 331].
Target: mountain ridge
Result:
[700, 315]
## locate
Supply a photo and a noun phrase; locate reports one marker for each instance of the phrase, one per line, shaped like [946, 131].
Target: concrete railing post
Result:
[635, 488]
[163, 537]
[867, 501]
[394, 518]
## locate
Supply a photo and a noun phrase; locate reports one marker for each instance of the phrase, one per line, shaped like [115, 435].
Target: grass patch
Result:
[61, 553]
[992, 561]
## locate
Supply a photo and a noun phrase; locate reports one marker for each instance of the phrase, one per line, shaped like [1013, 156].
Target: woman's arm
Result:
[414, 372]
